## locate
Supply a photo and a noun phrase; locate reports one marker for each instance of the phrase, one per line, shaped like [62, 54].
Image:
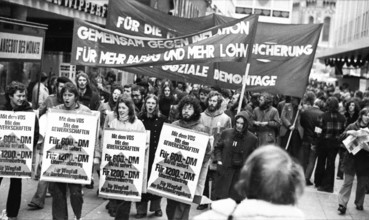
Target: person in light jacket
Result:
[123, 118]
[59, 204]
[357, 164]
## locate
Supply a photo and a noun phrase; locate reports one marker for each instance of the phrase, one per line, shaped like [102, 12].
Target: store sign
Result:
[19, 46]
[82, 5]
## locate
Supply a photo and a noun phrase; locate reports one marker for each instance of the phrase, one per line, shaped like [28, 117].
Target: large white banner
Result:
[69, 146]
[18, 46]
[122, 165]
[16, 143]
[177, 164]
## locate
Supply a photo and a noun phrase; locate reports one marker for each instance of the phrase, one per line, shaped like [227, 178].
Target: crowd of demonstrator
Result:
[309, 129]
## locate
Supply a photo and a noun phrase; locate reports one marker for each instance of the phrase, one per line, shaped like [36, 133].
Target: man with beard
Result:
[87, 97]
[189, 117]
[138, 95]
[215, 121]
[266, 120]
[203, 95]
[15, 94]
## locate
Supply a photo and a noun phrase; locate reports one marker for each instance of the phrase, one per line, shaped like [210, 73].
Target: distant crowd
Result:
[310, 129]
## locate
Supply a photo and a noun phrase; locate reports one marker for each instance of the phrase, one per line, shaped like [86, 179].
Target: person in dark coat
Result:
[153, 121]
[332, 124]
[309, 120]
[15, 94]
[357, 164]
[351, 114]
[231, 151]
[87, 96]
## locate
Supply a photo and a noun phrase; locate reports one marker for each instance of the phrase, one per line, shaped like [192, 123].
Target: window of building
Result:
[357, 25]
[363, 24]
[326, 28]
[350, 31]
[311, 20]
[366, 24]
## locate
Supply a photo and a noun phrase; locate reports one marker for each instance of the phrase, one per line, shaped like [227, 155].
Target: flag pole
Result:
[294, 123]
[243, 88]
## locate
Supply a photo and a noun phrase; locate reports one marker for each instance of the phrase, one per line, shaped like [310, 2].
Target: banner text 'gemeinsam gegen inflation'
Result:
[69, 146]
[122, 165]
[177, 163]
[282, 54]
[95, 46]
[16, 143]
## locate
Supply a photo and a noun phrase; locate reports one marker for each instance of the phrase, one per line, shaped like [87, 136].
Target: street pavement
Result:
[315, 205]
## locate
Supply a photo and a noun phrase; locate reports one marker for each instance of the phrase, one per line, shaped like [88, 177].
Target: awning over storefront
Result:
[355, 53]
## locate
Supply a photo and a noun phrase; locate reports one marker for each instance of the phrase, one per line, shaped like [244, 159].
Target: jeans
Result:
[40, 194]
[324, 173]
[14, 197]
[345, 191]
[311, 164]
[59, 204]
[177, 210]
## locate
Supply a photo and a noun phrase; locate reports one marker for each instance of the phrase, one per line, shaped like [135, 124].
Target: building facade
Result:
[350, 52]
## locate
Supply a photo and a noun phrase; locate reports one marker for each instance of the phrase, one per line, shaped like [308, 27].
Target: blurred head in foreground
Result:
[271, 175]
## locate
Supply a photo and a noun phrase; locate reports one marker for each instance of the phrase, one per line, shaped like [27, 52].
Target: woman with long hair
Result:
[357, 164]
[123, 118]
[166, 99]
[153, 121]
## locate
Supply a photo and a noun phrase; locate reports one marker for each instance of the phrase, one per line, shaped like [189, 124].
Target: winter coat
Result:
[154, 125]
[90, 99]
[250, 209]
[215, 123]
[232, 146]
[267, 134]
[355, 164]
[309, 120]
[287, 118]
